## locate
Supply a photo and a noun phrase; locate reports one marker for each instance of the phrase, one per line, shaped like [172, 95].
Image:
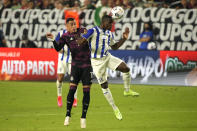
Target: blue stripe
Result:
[68, 55]
[113, 36]
[62, 55]
[90, 46]
[108, 41]
[108, 38]
[57, 37]
[97, 42]
[103, 47]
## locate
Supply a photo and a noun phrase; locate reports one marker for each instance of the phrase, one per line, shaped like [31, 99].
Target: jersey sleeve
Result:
[57, 37]
[60, 33]
[60, 44]
[88, 34]
[63, 39]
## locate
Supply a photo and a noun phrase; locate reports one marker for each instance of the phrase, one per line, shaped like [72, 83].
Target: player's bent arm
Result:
[85, 36]
[81, 40]
[57, 46]
[57, 39]
[118, 44]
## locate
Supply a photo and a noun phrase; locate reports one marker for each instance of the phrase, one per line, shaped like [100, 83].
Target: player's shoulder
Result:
[61, 32]
[109, 31]
[145, 33]
[149, 33]
[95, 29]
[65, 34]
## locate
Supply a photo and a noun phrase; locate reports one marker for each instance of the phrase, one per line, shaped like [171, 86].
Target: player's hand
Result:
[126, 33]
[50, 36]
[85, 31]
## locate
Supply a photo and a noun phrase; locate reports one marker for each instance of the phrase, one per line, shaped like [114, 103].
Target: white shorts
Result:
[63, 67]
[100, 66]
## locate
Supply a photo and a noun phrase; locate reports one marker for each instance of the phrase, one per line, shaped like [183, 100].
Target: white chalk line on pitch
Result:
[136, 112]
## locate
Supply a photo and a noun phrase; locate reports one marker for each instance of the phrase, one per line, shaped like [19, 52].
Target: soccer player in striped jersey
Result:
[100, 41]
[81, 67]
[64, 66]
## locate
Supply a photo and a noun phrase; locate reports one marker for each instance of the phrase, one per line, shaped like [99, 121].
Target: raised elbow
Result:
[114, 47]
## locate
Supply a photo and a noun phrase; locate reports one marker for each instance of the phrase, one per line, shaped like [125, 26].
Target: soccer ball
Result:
[117, 12]
[151, 46]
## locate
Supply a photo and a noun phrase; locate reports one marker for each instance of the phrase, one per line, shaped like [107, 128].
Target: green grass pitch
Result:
[32, 106]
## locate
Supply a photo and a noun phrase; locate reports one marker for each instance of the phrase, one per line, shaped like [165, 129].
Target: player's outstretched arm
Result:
[57, 45]
[81, 40]
[120, 43]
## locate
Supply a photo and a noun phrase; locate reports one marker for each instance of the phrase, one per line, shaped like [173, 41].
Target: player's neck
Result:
[101, 27]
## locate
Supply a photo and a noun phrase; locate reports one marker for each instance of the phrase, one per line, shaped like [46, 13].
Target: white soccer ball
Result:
[117, 12]
[151, 46]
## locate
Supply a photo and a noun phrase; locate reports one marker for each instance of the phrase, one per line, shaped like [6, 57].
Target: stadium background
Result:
[174, 30]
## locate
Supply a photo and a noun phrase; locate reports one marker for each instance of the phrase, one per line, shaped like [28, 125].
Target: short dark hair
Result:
[69, 19]
[107, 18]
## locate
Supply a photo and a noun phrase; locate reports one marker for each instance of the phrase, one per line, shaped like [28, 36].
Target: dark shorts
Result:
[83, 74]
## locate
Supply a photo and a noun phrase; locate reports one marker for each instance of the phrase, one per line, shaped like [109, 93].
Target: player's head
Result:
[106, 22]
[148, 26]
[71, 25]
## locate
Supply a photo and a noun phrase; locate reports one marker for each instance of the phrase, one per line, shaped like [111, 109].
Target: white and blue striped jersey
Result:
[99, 41]
[65, 55]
